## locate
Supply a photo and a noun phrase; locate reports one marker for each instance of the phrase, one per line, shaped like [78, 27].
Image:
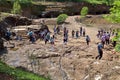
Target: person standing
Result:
[81, 31]
[8, 36]
[73, 33]
[103, 40]
[55, 30]
[65, 39]
[100, 51]
[87, 39]
[84, 32]
[77, 32]
[107, 38]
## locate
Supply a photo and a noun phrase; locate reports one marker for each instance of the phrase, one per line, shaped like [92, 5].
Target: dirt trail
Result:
[74, 61]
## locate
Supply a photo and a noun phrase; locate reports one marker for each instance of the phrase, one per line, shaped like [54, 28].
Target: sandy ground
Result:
[74, 61]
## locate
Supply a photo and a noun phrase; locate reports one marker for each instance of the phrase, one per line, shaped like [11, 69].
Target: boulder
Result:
[15, 20]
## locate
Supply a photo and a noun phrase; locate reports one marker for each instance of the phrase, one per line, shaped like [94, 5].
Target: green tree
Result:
[115, 12]
[27, 2]
[2, 2]
[16, 7]
[117, 39]
[84, 11]
[61, 18]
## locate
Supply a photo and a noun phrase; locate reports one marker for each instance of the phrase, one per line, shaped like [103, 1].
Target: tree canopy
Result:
[114, 15]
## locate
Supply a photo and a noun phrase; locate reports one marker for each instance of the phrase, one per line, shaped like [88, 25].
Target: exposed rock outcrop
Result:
[15, 20]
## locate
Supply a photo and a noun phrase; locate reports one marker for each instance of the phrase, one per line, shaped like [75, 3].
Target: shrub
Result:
[61, 18]
[84, 11]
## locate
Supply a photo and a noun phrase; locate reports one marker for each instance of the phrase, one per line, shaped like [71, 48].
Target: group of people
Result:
[104, 36]
[45, 35]
[81, 32]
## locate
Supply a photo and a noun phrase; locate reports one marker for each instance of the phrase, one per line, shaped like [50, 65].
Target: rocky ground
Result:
[74, 61]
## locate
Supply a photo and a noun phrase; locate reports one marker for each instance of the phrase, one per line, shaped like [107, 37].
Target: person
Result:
[55, 30]
[77, 32]
[84, 32]
[81, 31]
[103, 40]
[115, 40]
[52, 40]
[73, 33]
[47, 37]
[31, 36]
[65, 39]
[98, 35]
[107, 38]
[87, 39]
[8, 35]
[58, 29]
[100, 51]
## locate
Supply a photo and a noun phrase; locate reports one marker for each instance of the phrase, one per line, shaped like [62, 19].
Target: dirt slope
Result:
[74, 61]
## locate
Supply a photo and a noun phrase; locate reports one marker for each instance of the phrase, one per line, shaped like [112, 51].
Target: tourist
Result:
[98, 35]
[52, 40]
[31, 36]
[55, 30]
[8, 35]
[47, 37]
[81, 31]
[107, 38]
[73, 33]
[65, 39]
[77, 34]
[84, 32]
[100, 51]
[103, 40]
[87, 39]
[58, 29]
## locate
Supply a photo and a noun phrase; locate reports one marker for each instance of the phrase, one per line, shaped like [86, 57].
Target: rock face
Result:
[53, 10]
[3, 29]
[1, 44]
[9, 22]
[15, 20]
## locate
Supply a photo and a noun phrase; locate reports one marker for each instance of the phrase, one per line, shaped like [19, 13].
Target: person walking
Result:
[100, 51]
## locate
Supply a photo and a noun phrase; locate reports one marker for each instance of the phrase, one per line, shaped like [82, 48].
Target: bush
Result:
[61, 18]
[84, 11]
[114, 15]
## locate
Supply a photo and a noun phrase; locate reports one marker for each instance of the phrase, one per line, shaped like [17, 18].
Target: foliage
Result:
[84, 11]
[2, 2]
[89, 1]
[19, 74]
[25, 3]
[117, 39]
[114, 13]
[61, 18]
[117, 47]
[16, 7]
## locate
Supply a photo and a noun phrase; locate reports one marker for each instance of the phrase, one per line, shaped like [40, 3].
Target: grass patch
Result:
[19, 74]
[3, 15]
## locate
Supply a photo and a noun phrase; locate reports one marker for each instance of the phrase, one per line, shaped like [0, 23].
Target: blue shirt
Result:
[100, 46]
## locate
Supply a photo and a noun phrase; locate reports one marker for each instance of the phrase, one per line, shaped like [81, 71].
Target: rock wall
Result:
[53, 10]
